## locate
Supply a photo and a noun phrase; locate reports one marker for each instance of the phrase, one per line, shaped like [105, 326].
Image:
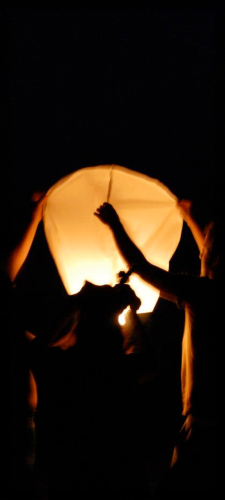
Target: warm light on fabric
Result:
[83, 247]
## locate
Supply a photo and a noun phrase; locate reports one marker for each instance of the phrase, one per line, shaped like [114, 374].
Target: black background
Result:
[133, 86]
[105, 83]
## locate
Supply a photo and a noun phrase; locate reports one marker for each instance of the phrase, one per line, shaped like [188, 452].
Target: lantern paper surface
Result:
[83, 248]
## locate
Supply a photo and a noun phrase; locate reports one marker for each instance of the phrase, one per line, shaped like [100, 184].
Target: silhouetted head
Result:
[98, 328]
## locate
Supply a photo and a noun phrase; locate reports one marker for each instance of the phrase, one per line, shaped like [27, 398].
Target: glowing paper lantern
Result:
[83, 247]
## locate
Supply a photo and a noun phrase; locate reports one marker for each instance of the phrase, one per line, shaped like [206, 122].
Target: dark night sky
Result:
[137, 87]
[133, 86]
[105, 83]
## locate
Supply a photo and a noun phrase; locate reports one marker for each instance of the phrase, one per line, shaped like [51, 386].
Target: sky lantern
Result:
[83, 248]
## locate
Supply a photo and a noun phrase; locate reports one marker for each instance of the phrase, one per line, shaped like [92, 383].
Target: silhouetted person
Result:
[22, 387]
[90, 423]
[194, 472]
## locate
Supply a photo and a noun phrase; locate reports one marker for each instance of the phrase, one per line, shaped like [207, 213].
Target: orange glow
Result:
[64, 343]
[32, 397]
[122, 317]
[83, 248]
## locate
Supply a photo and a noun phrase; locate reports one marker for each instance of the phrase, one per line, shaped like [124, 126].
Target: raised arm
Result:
[130, 252]
[19, 254]
[167, 283]
[185, 208]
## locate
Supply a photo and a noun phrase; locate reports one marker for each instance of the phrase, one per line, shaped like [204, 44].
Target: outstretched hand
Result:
[107, 214]
[38, 199]
[185, 209]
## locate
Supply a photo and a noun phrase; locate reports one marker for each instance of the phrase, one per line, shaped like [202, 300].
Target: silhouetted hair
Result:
[215, 231]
